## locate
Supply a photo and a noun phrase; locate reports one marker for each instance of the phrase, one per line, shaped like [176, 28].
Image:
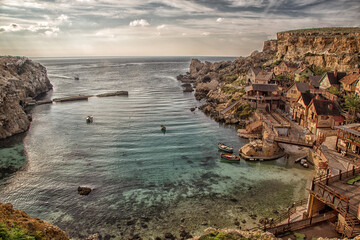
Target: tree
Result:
[352, 106]
[333, 90]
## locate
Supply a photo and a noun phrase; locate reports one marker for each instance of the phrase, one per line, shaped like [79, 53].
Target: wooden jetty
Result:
[288, 140]
[117, 93]
[73, 98]
[260, 158]
[43, 102]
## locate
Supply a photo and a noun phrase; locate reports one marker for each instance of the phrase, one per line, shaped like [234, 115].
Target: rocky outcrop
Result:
[332, 48]
[235, 234]
[21, 80]
[11, 218]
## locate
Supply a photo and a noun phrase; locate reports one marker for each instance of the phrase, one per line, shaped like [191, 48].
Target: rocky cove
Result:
[215, 83]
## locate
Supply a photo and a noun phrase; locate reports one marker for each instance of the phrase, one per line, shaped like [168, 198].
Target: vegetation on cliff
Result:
[17, 224]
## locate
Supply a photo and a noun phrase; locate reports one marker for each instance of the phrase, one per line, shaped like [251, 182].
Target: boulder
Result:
[84, 190]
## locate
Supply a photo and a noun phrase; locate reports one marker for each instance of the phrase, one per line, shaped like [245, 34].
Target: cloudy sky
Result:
[159, 27]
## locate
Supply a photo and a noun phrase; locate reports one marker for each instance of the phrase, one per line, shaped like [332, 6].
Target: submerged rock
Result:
[84, 190]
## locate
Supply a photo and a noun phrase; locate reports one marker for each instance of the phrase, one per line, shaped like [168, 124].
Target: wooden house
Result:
[348, 138]
[252, 73]
[303, 72]
[286, 68]
[263, 96]
[323, 115]
[314, 81]
[331, 79]
[349, 82]
[294, 91]
[299, 108]
[264, 77]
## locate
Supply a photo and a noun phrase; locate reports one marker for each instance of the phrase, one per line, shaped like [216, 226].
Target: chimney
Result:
[335, 73]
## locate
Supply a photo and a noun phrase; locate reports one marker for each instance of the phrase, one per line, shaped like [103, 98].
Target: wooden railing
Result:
[300, 224]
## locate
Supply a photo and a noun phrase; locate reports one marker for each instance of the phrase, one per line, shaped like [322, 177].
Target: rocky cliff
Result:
[21, 80]
[17, 224]
[332, 48]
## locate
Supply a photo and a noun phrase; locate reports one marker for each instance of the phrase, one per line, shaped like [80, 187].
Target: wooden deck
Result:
[293, 141]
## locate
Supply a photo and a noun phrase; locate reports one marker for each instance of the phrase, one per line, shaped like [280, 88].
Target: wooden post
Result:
[353, 170]
[340, 174]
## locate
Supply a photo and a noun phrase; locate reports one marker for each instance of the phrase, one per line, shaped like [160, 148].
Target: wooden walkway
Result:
[230, 107]
[293, 141]
[300, 224]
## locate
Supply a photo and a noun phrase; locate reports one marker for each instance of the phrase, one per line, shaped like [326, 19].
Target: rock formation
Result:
[21, 80]
[332, 48]
[11, 218]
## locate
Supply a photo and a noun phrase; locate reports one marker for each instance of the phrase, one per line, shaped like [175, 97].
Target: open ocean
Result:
[145, 182]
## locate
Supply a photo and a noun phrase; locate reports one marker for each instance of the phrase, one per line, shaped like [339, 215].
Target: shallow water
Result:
[144, 181]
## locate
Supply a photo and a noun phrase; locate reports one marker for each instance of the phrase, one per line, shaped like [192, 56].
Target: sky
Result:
[58, 28]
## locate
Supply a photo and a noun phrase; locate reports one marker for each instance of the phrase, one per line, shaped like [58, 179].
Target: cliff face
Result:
[332, 48]
[20, 81]
[11, 218]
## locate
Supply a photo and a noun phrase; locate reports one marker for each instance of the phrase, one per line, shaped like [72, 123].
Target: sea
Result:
[145, 182]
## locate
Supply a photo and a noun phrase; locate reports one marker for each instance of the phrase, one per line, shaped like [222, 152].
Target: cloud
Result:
[13, 27]
[205, 34]
[160, 27]
[139, 23]
[219, 19]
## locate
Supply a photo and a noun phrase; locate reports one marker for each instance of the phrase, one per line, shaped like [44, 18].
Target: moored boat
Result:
[89, 119]
[229, 157]
[163, 128]
[225, 148]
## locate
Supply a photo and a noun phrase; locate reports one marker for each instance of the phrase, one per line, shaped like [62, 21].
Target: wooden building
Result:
[331, 79]
[349, 82]
[286, 69]
[299, 108]
[263, 96]
[294, 91]
[323, 115]
[348, 138]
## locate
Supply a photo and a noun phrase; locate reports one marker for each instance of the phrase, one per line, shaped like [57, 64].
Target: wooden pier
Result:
[73, 98]
[117, 93]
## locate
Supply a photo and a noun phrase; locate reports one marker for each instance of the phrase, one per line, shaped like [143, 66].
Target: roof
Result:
[301, 69]
[335, 80]
[302, 87]
[351, 78]
[262, 87]
[264, 76]
[291, 64]
[314, 80]
[307, 97]
[350, 128]
[255, 70]
[326, 107]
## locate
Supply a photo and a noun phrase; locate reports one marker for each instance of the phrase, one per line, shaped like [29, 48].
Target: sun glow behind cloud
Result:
[159, 27]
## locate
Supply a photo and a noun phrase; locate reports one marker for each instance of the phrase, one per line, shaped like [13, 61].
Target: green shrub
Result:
[229, 78]
[229, 89]
[16, 233]
[243, 111]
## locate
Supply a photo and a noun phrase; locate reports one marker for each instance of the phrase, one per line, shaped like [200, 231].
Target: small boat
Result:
[163, 128]
[89, 119]
[76, 77]
[230, 157]
[225, 148]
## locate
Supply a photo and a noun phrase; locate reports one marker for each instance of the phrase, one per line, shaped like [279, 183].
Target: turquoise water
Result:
[144, 181]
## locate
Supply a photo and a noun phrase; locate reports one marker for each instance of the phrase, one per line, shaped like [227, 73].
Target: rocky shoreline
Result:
[21, 81]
